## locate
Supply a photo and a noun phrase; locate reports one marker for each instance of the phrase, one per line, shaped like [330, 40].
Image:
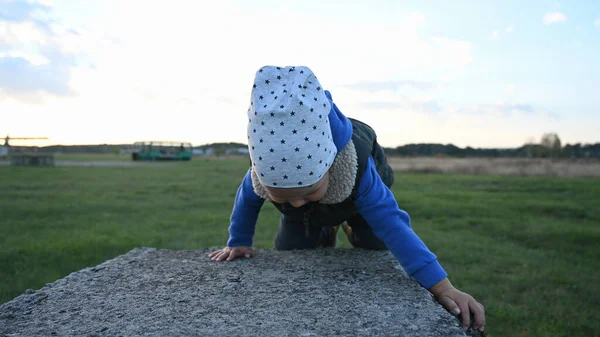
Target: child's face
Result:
[298, 197]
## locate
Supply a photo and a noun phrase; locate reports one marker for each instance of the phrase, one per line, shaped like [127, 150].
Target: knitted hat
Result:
[289, 136]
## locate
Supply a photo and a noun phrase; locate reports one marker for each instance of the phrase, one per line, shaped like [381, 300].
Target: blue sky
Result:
[480, 74]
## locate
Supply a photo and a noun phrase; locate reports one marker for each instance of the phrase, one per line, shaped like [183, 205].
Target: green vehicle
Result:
[158, 150]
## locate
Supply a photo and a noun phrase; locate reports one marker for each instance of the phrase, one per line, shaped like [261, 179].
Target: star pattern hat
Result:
[289, 136]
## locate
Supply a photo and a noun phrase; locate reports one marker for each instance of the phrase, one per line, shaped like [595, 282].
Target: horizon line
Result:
[245, 145]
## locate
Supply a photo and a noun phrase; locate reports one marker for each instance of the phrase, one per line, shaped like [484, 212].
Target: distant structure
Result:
[161, 150]
[8, 138]
[29, 159]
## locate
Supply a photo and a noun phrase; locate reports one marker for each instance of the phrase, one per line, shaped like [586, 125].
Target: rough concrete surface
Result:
[153, 292]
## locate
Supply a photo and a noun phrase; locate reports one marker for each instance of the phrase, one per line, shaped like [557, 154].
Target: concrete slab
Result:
[152, 292]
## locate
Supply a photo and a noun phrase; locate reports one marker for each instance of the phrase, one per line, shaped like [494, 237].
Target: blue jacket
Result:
[375, 202]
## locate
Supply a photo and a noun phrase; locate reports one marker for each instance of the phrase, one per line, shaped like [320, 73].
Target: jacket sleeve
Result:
[245, 212]
[378, 206]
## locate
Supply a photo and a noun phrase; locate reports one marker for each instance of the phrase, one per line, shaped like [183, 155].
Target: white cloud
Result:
[48, 3]
[226, 37]
[510, 89]
[502, 108]
[169, 70]
[597, 23]
[554, 17]
[37, 55]
[496, 33]
[458, 53]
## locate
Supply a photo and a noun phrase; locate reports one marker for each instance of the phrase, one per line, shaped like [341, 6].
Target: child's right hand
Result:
[231, 253]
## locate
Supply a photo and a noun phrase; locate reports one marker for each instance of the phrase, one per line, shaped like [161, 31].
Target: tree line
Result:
[549, 146]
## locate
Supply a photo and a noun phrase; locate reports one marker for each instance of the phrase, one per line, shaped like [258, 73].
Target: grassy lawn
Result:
[526, 247]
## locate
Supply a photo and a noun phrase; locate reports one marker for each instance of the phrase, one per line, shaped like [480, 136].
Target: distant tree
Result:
[573, 151]
[550, 141]
[529, 147]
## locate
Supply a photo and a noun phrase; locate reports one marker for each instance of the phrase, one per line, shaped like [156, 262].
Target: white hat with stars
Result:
[289, 136]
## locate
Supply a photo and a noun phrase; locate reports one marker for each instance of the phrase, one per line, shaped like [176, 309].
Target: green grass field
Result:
[526, 247]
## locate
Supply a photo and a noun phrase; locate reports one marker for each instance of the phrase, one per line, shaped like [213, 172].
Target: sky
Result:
[470, 73]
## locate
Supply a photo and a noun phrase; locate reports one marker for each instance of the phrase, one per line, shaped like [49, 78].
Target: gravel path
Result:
[150, 292]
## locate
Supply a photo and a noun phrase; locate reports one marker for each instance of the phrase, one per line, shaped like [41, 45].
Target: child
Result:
[322, 169]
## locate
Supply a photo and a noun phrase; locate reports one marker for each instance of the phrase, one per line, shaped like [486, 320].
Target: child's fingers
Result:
[215, 255]
[465, 314]
[449, 304]
[460, 309]
[232, 255]
[222, 255]
[478, 314]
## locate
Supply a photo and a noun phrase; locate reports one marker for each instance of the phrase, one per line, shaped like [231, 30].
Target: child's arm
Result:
[244, 214]
[243, 219]
[378, 206]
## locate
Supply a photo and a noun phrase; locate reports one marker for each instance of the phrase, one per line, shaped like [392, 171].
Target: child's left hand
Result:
[458, 302]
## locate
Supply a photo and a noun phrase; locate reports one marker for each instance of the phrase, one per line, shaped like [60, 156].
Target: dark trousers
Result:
[294, 233]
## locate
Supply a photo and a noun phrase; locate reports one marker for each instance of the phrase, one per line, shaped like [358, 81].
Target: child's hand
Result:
[230, 253]
[458, 302]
